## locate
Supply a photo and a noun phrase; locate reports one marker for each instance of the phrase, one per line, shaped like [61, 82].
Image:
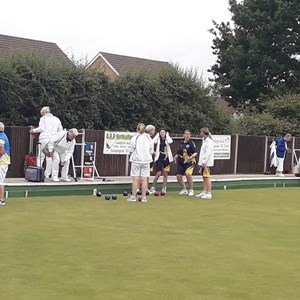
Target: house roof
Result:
[9, 43]
[121, 64]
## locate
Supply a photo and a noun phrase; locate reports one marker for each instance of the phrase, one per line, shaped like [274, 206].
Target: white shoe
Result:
[164, 190]
[46, 175]
[152, 190]
[66, 179]
[280, 174]
[55, 179]
[191, 193]
[201, 195]
[184, 192]
[149, 192]
[207, 196]
[144, 200]
[131, 199]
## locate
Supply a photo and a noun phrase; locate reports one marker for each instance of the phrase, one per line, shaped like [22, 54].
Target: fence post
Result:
[127, 165]
[293, 147]
[236, 154]
[266, 154]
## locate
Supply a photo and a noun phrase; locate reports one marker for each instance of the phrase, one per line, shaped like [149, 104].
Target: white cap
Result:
[1, 126]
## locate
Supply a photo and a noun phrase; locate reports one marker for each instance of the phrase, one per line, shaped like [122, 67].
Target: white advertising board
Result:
[222, 145]
[117, 142]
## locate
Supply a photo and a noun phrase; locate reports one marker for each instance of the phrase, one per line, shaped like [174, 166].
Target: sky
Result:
[175, 31]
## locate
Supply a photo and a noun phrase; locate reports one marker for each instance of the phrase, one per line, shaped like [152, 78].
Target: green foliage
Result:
[170, 98]
[258, 56]
[29, 81]
[173, 99]
[281, 115]
[259, 124]
[285, 108]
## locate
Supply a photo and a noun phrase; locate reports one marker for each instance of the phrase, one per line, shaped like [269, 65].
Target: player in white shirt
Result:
[141, 149]
[49, 126]
[61, 148]
[206, 161]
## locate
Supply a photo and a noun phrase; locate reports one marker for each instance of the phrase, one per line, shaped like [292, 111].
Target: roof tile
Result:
[9, 43]
[123, 64]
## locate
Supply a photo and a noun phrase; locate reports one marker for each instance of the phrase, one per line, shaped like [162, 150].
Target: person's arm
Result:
[177, 153]
[69, 152]
[175, 158]
[286, 147]
[155, 139]
[208, 154]
[189, 158]
[151, 147]
[169, 140]
[132, 143]
[60, 128]
[58, 137]
[2, 148]
[41, 127]
[194, 151]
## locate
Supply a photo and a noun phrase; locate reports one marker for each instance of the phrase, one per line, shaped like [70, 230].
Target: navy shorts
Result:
[151, 166]
[183, 169]
[162, 165]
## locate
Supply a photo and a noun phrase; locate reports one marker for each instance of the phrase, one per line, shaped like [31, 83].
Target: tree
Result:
[82, 98]
[172, 98]
[29, 81]
[258, 56]
[280, 115]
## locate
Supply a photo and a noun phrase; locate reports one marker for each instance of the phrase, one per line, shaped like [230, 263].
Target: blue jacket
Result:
[4, 142]
[280, 148]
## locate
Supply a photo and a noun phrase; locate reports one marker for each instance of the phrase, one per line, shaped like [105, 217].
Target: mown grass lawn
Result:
[244, 244]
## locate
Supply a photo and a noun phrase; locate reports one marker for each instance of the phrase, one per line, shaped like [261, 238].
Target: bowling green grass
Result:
[244, 244]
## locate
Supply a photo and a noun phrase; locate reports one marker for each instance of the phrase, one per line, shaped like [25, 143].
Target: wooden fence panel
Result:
[19, 143]
[287, 167]
[251, 154]
[107, 164]
[297, 146]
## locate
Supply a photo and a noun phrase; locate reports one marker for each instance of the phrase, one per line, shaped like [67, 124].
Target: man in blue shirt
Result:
[4, 161]
[281, 147]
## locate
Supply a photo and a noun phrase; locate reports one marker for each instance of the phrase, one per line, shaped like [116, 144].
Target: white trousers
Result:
[3, 172]
[41, 157]
[56, 159]
[280, 164]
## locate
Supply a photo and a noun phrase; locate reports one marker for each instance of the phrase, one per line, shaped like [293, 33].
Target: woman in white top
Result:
[206, 161]
[163, 158]
[141, 149]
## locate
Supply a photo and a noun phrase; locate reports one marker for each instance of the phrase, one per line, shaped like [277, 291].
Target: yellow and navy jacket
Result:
[185, 150]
